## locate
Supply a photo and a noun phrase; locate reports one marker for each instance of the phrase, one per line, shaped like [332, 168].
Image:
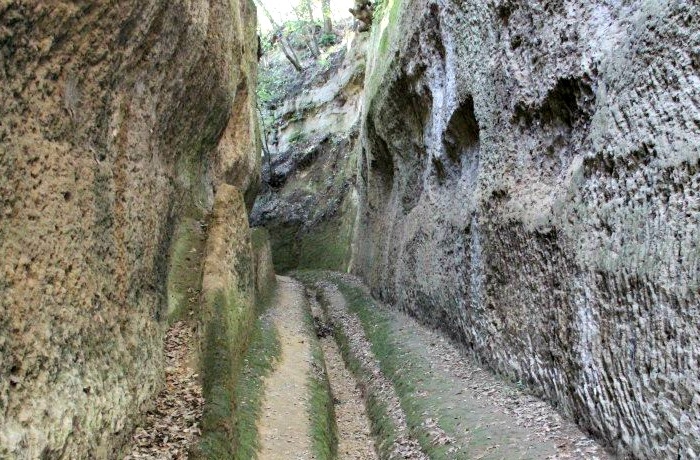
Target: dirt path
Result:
[284, 426]
[355, 440]
[465, 411]
[400, 444]
[354, 435]
[495, 419]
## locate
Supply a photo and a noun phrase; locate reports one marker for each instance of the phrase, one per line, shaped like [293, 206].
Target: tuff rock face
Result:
[309, 204]
[529, 183]
[110, 123]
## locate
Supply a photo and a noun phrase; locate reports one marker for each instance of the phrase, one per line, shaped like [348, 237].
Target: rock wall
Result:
[110, 120]
[262, 262]
[529, 182]
[226, 317]
[310, 203]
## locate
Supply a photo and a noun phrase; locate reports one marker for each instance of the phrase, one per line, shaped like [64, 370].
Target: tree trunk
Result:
[286, 47]
[310, 31]
[327, 22]
[311, 39]
[289, 52]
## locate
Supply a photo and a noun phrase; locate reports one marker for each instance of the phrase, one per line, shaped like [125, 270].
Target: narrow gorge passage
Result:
[284, 426]
[491, 206]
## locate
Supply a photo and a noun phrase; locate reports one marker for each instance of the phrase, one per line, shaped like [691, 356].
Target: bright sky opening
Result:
[282, 10]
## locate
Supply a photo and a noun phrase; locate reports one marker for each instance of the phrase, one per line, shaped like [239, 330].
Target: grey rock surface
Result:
[529, 183]
[309, 203]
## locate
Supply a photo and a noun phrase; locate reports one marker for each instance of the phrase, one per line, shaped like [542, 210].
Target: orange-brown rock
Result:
[111, 115]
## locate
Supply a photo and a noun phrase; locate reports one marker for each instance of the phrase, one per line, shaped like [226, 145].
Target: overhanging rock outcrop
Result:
[111, 154]
[309, 206]
[529, 183]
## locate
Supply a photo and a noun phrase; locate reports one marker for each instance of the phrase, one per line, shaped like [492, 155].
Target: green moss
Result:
[297, 137]
[259, 238]
[190, 173]
[185, 271]
[324, 430]
[258, 362]
[264, 270]
[285, 247]
[384, 40]
[226, 332]
[327, 248]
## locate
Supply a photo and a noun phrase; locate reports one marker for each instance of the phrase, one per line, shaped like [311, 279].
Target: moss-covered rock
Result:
[517, 192]
[111, 131]
[262, 263]
[226, 317]
[185, 270]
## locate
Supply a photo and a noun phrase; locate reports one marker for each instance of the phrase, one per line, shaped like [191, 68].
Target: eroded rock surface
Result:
[110, 123]
[529, 184]
[309, 203]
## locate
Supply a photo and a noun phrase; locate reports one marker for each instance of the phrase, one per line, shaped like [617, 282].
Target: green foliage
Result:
[266, 42]
[272, 84]
[327, 40]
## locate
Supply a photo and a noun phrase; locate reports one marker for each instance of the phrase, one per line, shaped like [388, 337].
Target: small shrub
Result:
[327, 40]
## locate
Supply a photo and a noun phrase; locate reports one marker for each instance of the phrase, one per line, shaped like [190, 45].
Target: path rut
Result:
[284, 425]
[355, 440]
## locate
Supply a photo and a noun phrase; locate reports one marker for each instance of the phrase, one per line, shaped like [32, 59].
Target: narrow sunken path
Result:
[457, 409]
[354, 432]
[355, 441]
[284, 426]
